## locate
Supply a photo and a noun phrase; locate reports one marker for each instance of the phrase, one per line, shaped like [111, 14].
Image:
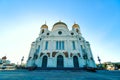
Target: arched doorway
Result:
[75, 62]
[44, 62]
[60, 62]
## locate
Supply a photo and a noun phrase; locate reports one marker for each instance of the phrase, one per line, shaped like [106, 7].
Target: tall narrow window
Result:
[73, 44]
[62, 45]
[46, 45]
[43, 31]
[81, 47]
[38, 50]
[59, 45]
[56, 45]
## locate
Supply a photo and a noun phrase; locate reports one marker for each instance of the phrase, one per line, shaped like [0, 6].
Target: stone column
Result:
[51, 48]
[68, 47]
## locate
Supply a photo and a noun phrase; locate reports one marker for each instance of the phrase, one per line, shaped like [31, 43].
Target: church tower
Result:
[76, 28]
[44, 28]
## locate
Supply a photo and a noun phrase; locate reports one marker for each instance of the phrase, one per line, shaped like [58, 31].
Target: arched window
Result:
[43, 31]
[77, 30]
[35, 56]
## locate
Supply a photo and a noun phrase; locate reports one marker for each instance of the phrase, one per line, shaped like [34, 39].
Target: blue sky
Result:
[99, 20]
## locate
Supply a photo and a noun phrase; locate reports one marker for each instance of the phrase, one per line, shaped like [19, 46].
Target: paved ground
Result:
[59, 75]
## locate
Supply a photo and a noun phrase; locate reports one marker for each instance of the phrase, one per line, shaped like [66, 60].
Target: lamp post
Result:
[22, 60]
[99, 62]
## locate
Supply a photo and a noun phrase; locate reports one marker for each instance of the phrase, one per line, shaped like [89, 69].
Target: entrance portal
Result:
[60, 63]
[44, 62]
[75, 62]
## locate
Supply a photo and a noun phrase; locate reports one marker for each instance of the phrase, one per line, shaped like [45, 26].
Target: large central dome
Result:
[59, 25]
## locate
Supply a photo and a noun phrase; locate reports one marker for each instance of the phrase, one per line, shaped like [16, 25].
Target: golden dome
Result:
[44, 26]
[75, 26]
[59, 25]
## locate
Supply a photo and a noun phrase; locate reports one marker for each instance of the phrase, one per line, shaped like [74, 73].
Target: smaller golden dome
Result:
[75, 26]
[44, 26]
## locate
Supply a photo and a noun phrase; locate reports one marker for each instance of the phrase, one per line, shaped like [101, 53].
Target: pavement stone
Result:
[59, 75]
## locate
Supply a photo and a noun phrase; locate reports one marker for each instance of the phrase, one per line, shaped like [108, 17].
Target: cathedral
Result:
[60, 48]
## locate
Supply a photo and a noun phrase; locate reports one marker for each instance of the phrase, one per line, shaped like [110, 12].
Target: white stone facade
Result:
[60, 48]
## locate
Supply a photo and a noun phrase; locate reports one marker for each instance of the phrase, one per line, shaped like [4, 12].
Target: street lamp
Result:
[22, 60]
[99, 61]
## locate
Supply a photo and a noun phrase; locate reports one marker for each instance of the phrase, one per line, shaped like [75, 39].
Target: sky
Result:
[99, 21]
